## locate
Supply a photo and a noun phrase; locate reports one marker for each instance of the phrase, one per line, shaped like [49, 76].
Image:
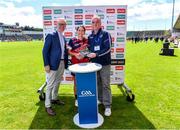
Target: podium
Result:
[87, 96]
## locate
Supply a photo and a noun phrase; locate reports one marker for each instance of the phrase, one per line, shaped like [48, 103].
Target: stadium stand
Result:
[16, 33]
[155, 35]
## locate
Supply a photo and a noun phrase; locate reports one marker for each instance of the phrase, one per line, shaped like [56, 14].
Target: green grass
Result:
[154, 79]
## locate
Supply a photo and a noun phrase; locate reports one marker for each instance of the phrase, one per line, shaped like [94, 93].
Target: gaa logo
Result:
[86, 93]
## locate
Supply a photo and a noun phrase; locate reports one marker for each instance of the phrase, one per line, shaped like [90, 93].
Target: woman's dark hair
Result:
[82, 27]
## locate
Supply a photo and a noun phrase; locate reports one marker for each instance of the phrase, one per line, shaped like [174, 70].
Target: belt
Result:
[61, 59]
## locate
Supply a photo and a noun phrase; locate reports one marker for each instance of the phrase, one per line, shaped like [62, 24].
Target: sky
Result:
[142, 14]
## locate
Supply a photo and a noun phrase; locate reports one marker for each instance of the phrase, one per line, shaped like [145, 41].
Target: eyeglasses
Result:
[62, 24]
[94, 22]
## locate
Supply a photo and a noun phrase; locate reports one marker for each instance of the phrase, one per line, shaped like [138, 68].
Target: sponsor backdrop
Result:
[113, 20]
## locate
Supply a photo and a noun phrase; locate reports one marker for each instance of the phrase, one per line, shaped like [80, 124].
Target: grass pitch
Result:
[154, 79]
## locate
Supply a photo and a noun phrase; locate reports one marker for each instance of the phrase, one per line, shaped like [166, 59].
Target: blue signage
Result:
[87, 97]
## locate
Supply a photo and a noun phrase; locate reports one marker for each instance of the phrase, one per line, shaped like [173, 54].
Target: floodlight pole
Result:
[172, 16]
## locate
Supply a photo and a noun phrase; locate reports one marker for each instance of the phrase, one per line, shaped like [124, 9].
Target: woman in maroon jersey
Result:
[76, 46]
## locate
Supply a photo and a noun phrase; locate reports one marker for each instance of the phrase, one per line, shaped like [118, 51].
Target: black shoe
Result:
[50, 111]
[58, 102]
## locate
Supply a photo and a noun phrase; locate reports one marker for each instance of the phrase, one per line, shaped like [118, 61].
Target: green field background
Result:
[154, 79]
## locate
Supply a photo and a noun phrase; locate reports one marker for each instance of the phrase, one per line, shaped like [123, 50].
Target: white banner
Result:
[114, 20]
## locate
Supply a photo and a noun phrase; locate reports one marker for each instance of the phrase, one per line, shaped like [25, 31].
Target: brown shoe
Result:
[58, 102]
[50, 111]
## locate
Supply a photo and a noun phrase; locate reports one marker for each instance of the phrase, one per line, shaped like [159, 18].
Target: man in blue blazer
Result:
[55, 58]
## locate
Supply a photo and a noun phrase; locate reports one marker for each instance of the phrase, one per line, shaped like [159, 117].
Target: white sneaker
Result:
[107, 112]
[76, 103]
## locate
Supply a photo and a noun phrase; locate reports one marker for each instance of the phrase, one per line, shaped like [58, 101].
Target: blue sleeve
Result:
[106, 45]
[70, 44]
[46, 49]
[89, 44]
[66, 56]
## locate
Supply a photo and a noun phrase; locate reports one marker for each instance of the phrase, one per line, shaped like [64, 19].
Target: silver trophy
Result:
[85, 53]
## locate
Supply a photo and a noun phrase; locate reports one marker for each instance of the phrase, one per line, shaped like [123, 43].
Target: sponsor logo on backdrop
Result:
[121, 22]
[121, 10]
[47, 11]
[117, 61]
[110, 27]
[100, 11]
[68, 34]
[110, 11]
[118, 56]
[89, 11]
[120, 39]
[78, 11]
[110, 22]
[57, 11]
[78, 22]
[59, 16]
[118, 73]
[119, 50]
[47, 23]
[101, 16]
[68, 22]
[69, 78]
[78, 16]
[88, 22]
[121, 28]
[116, 45]
[120, 34]
[88, 16]
[68, 16]
[112, 50]
[119, 44]
[69, 28]
[68, 11]
[47, 18]
[119, 67]
[118, 79]
[86, 93]
[121, 16]
[88, 27]
[111, 17]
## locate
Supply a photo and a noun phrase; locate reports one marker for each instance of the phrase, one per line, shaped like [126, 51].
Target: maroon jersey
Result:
[76, 46]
